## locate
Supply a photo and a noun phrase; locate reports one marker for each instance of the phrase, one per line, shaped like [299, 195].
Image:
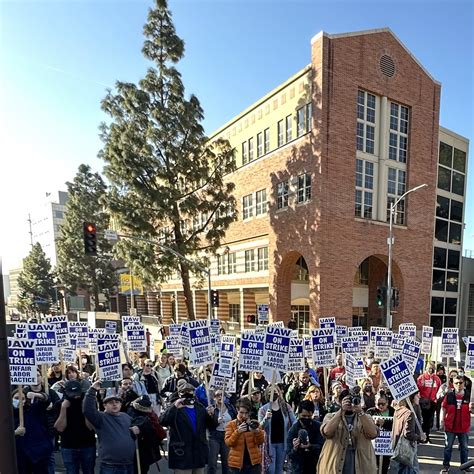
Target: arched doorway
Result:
[369, 277]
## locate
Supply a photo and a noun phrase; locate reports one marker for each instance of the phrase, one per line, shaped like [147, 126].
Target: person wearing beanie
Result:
[151, 432]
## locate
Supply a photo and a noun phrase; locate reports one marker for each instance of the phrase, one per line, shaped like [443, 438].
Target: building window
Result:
[245, 152]
[231, 263]
[309, 116]
[300, 121]
[280, 132]
[250, 260]
[364, 189]
[395, 188]
[266, 140]
[261, 204]
[365, 132]
[247, 206]
[262, 258]
[289, 122]
[283, 192]
[304, 188]
[221, 264]
[451, 169]
[301, 315]
[58, 214]
[250, 149]
[259, 144]
[234, 313]
[398, 140]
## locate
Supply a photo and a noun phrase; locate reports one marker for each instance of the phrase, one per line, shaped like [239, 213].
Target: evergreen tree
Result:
[75, 269]
[167, 178]
[36, 283]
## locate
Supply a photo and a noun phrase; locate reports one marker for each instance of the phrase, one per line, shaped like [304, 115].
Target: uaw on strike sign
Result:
[46, 345]
[108, 357]
[21, 356]
[398, 375]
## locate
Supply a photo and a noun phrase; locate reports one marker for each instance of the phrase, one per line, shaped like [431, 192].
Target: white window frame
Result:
[366, 130]
[249, 260]
[283, 194]
[266, 140]
[400, 184]
[280, 133]
[262, 259]
[309, 116]
[221, 264]
[398, 132]
[365, 188]
[300, 121]
[251, 154]
[247, 206]
[288, 128]
[303, 191]
[231, 263]
[245, 152]
[259, 144]
[261, 203]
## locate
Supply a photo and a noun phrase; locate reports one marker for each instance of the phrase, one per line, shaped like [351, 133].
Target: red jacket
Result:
[457, 415]
[428, 385]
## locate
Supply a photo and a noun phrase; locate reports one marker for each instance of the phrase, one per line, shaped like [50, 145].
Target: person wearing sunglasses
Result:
[149, 378]
[456, 422]
[382, 414]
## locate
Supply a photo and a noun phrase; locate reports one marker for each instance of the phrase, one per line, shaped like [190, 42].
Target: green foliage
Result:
[167, 178]
[75, 269]
[36, 283]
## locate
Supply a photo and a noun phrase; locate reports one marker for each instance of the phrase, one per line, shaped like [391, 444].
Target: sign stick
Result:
[223, 396]
[380, 464]
[44, 374]
[61, 361]
[447, 366]
[250, 387]
[139, 469]
[272, 390]
[21, 397]
[414, 415]
[206, 385]
[80, 360]
[326, 388]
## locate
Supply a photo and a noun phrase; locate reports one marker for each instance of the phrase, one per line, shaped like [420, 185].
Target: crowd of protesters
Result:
[291, 425]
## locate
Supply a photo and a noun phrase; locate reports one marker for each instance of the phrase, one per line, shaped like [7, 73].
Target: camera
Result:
[303, 437]
[188, 399]
[354, 395]
[253, 425]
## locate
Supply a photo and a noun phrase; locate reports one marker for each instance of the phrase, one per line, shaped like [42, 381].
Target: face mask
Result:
[368, 389]
[16, 403]
[84, 361]
[306, 422]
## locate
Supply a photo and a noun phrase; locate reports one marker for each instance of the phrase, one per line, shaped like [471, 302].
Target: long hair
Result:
[281, 401]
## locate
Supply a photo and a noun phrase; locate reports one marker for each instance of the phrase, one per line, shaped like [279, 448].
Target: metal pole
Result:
[209, 294]
[7, 446]
[132, 290]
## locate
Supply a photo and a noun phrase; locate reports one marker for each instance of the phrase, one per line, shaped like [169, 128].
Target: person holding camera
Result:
[188, 420]
[244, 438]
[348, 448]
[304, 441]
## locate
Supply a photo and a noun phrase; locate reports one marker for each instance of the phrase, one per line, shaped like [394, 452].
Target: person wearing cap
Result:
[151, 432]
[256, 401]
[188, 421]
[114, 430]
[349, 433]
[258, 381]
[77, 434]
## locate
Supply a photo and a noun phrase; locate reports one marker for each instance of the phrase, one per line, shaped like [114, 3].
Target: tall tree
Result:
[36, 282]
[75, 269]
[167, 178]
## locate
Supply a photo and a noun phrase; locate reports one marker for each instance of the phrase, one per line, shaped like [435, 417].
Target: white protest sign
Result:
[383, 343]
[217, 382]
[350, 345]
[46, 349]
[383, 443]
[372, 332]
[399, 377]
[173, 345]
[251, 351]
[308, 348]
[277, 347]
[108, 359]
[62, 329]
[324, 348]
[411, 352]
[110, 327]
[215, 326]
[22, 360]
[327, 323]
[93, 334]
[277, 324]
[20, 328]
[135, 336]
[262, 312]
[397, 343]
[341, 331]
[296, 356]
[175, 329]
[69, 355]
[408, 330]
[184, 337]
[355, 370]
[362, 335]
[79, 331]
[449, 342]
[426, 339]
[226, 356]
[469, 362]
[129, 320]
[200, 352]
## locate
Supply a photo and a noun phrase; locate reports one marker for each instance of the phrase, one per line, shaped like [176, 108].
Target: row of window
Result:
[255, 203]
[284, 134]
[440, 305]
[449, 232]
[449, 208]
[445, 281]
[303, 191]
[255, 260]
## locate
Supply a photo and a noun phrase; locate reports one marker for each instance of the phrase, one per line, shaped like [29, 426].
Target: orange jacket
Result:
[237, 441]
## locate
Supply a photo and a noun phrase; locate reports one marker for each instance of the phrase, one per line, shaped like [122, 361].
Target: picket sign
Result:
[251, 352]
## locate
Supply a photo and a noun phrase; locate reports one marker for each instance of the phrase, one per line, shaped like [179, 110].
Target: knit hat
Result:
[184, 386]
[112, 398]
[73, 388]
[142, 404]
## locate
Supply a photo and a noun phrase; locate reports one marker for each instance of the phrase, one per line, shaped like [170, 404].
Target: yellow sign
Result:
[127, 283]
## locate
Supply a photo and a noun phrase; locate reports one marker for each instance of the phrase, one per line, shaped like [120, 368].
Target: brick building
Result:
[319, 161]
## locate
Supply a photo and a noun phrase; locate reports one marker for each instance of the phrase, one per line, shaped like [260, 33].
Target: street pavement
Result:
[430, 457]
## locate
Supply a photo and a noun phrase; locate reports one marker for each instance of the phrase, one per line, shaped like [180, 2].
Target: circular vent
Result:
[387, 66]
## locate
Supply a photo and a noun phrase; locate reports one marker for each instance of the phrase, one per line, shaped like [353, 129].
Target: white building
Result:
[46, 221]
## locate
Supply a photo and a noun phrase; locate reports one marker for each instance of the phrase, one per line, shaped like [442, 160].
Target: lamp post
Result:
[390, 241]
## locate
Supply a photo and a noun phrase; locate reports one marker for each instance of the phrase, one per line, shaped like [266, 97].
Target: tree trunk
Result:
[188, 294]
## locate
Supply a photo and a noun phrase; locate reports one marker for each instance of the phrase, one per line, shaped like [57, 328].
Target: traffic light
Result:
[251, 318]
[395, 297]
[381, 297]
[90, 238]
[214, 299]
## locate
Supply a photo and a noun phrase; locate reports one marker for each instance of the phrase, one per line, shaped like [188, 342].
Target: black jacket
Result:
[187, 449]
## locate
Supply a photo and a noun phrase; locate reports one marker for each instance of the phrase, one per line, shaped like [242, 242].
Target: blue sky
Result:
[58, 57]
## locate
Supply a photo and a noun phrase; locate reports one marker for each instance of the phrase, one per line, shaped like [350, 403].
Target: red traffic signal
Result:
[251, 318]
[90, 238]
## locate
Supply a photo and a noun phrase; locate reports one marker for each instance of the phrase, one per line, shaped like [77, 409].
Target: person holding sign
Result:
[348, 448]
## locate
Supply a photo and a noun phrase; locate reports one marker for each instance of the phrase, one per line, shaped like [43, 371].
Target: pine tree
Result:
[36, 282]
[167, 178]
[75, 269]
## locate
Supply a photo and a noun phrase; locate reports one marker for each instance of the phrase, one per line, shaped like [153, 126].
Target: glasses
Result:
[148, 365]
[218, 394]
[458, 383]
[381, 404]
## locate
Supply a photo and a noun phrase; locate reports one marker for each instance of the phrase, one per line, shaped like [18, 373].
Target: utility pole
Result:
[7, 437]
[31, 230]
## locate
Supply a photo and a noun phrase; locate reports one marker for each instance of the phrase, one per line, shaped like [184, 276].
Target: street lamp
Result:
[390, 241]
